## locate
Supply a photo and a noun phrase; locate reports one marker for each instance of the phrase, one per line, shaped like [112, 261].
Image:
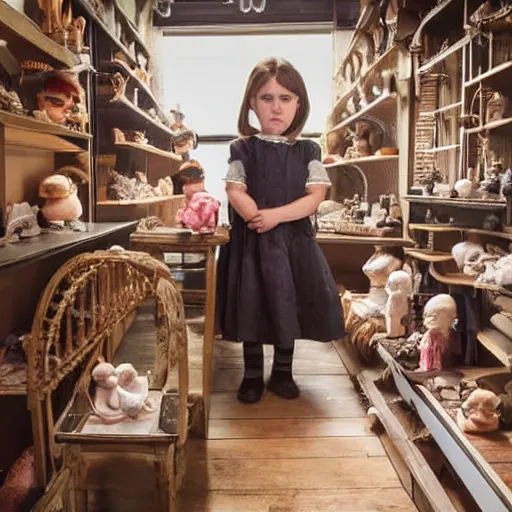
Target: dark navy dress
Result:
[276, 287]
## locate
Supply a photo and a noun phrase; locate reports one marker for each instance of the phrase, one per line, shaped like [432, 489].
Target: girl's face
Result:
[275, 107]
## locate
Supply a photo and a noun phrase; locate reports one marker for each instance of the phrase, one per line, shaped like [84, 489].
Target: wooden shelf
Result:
[138, 202]
[440, 57]
[108, 32]
[361, 81]
[378, 108]
[7, 389]
[363, 160]
[499, 345]
[143, 86]
[152, 150]
[410, 453]
[440, 149]
[333, 238]
[137, 116]
[49, 244]
[503, 125]
[435, 228]
[481, 204]
[491, 77]
[460, 279]
[15, 28]
[405, 454]
[445, 228]
[451, 278]
[30, 132]
[133, 30]
[440, 110]
[428, 255]
[481, 480]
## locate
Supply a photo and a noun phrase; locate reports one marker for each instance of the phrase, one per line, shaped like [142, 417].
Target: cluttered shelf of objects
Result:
[17, 28]
[50, 242]
[455, 402]
[97, 16]
[335, 238]
[430, 342]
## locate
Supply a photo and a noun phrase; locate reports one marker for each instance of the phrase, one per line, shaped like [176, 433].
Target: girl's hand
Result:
[264, 220]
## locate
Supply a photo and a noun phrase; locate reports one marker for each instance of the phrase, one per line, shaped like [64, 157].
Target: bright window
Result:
[206, 76]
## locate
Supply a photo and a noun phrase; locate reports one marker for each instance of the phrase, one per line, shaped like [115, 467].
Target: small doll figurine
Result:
[399, 290]
[61, 199]
[439, 314]
[479, 412]
[201, 208]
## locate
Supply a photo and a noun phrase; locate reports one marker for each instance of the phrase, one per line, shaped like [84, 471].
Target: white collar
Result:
[275, 138]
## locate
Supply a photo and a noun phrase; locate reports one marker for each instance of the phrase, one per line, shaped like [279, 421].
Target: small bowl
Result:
[387, 151]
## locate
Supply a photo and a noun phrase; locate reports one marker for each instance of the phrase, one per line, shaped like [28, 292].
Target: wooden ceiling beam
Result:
[201, 13]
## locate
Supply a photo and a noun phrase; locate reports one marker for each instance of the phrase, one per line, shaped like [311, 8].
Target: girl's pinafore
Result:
[276, 287]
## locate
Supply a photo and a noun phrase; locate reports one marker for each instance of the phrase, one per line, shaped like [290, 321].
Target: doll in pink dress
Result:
[439, 314]
[200, 212]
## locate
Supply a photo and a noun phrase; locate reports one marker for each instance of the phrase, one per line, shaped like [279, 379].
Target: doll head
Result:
[104, 375]
[399, 283]
[440, 312]
[277, 94]
[479, 412]
[60, 96]
[191, 177]
[126, 374]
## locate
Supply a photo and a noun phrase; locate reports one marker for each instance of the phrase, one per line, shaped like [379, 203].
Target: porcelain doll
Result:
[439, 314]
[61, 199]
[200, 212]
[106, 398]
[378, 268]
[62, 101]
[132, 391]
[120, 393]
[478, 414]
[365, 317]
[399, 290]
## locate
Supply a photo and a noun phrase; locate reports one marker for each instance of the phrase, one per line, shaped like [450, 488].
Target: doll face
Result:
[276, 107]
[438, 319]
[189, 189]
[57, 105]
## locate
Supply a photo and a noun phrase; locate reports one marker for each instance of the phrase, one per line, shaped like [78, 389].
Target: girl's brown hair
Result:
[287, 76]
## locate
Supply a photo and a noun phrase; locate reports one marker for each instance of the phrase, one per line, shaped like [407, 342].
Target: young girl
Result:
[274, 284]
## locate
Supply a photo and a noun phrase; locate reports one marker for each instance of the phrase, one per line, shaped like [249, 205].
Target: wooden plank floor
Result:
[306, 455]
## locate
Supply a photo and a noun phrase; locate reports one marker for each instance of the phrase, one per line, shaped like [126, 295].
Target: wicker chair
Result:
[72, 330]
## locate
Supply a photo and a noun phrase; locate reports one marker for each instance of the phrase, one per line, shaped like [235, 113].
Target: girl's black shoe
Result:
[283, 386]
[251, 390]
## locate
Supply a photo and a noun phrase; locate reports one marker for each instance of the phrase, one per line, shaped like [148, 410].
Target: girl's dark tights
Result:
[281, 381]
[252, 386]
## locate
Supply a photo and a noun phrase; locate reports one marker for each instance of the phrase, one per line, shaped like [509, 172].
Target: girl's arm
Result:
[241, 201]
[268, 219]
[303, 207]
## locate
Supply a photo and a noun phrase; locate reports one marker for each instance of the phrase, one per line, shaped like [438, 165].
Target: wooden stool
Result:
[156, 243]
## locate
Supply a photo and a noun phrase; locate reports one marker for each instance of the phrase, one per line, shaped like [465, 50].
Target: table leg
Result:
[209, 326]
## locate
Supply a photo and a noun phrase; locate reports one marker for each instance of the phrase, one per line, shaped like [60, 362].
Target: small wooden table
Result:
[158, 242]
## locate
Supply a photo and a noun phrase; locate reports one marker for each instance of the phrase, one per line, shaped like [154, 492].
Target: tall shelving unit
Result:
[120, 47]
[459, 64]
[370, 83]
